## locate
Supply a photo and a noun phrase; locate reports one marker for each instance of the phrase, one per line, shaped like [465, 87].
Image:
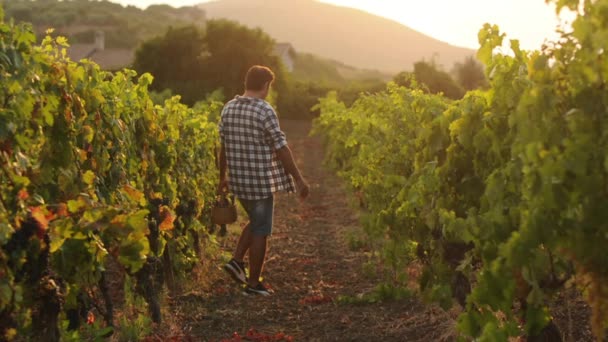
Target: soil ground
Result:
[309, 266]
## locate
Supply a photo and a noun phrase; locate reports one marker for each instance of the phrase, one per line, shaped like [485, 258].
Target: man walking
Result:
[255, 162]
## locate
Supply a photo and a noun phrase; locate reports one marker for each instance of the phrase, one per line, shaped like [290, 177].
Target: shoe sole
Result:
[256, 293]
[234, 274]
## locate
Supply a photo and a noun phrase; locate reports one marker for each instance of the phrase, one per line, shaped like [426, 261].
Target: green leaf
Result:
[570, 4]
[492, 332]
[61, 230]
[146, 79]
[468, 323]
[77, 74]
[103, 333]
[6, 292]
[138, 221]
[62, 41]
[536, 319]
[56, 244]
[88, 133]
[75, 206]
[14, 87]
[21, 181]
[89, 177]
[516, 49]
[6, 230]
[132, 253]
[49, 119]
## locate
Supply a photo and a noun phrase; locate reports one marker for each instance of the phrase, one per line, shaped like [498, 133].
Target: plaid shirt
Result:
[250, 134]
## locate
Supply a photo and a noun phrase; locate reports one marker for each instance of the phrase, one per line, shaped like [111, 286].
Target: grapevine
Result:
[502, 194]
[92, 172]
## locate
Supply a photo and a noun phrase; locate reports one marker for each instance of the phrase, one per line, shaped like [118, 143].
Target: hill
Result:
[124, 27]
[348, 35]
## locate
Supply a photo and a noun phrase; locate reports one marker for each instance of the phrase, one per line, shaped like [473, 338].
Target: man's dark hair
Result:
[257, 77]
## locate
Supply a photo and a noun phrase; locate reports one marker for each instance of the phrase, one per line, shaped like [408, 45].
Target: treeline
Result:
[193, 62]
[465, 76]
[215, 58]
[124, 27]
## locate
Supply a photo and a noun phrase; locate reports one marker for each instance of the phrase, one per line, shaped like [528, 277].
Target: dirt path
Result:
[309, 265]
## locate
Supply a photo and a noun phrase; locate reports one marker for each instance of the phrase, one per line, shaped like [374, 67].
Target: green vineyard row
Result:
[501, 197]
[94, 178]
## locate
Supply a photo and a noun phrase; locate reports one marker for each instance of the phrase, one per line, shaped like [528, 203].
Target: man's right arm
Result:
[223, 165]
[222, 187]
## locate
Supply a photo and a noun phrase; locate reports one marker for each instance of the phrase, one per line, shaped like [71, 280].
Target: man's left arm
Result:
[286, 157]
[284, 153]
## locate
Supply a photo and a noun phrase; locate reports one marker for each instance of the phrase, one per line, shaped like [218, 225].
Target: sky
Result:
[454, 21]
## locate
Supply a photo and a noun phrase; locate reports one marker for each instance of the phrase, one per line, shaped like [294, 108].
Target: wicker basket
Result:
[224, 211]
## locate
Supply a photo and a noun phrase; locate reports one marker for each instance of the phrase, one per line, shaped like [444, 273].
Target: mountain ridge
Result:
[349, 35]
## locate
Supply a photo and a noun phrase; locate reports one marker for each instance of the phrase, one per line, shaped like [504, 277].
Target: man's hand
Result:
[222, 187]
[303, 188]
[286, 158]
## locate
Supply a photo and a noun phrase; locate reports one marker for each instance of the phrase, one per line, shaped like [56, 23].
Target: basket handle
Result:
[221, 197]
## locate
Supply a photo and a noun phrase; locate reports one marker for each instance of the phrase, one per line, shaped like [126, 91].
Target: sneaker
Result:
[259, 290]
[237, 271]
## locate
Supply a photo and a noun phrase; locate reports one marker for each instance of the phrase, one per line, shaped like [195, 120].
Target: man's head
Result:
[258, 80]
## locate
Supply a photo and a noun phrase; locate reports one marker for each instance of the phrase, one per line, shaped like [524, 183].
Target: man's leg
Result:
[244, 243]
[236, 267]
[257, 253]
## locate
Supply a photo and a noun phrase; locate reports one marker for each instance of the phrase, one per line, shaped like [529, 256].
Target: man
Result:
[255, 162]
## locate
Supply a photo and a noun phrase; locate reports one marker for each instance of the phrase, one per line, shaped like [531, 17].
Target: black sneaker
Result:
[259, 290]
[237, 271]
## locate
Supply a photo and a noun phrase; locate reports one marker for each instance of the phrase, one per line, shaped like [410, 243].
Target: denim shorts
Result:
[260, 215]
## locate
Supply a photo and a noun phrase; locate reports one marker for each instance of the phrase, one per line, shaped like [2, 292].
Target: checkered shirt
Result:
[250, 134]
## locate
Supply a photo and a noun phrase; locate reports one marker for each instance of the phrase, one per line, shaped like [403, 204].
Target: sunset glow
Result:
[458, 22]
[455, 22]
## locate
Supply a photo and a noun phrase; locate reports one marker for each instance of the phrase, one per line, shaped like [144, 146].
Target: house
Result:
[287, 54]
[117, 58]
[108, 59]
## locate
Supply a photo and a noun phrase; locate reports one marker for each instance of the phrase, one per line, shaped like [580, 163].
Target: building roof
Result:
[77, 52]
[283, 49]
[108, 59]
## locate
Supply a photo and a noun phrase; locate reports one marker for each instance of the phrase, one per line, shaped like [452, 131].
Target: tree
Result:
[176, 61]
[232, 50]
[193, 63]
[470, 74]
[434, 80]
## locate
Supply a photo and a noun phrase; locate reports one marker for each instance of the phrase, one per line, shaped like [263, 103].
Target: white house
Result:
[108, 59]
[287, 54]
